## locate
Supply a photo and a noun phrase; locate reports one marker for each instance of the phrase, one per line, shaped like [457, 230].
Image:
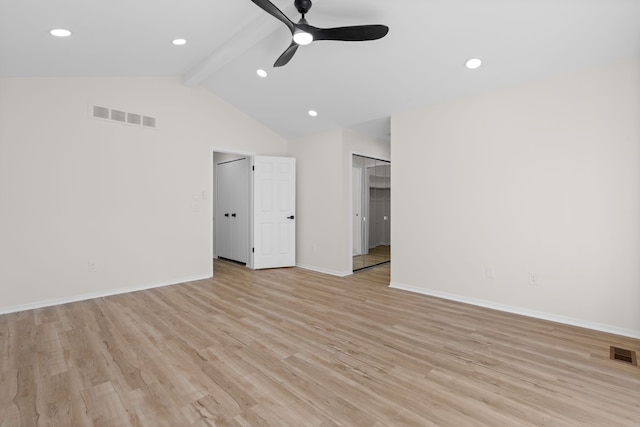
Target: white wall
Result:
[358, 143]
[541, 178]
[323, 213]
[320, 225]
[134, 201]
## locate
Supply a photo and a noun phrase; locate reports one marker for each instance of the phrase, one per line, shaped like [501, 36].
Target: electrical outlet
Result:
[91, 267]
[533, 278]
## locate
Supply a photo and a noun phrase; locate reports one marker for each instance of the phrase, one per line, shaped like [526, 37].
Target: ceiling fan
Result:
[303, 33]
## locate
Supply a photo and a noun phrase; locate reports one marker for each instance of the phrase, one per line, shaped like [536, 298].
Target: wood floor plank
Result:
[293, 347]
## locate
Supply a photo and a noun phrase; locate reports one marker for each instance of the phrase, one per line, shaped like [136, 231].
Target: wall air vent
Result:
[149, 122]
[134, 119]
[120, 116]
[100, 112]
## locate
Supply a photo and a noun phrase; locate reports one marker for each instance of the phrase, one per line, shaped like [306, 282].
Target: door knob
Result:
[227, 215]
[290, 217]
[233, 215]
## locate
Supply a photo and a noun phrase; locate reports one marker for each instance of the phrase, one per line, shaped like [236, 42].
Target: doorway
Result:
[253, 209]
[371, 215]
[232, 210]
[230, 206]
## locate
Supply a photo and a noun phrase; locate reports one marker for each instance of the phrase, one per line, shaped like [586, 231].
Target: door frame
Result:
[356, 195]
[351, 226]
[233, 201]
[213, 193]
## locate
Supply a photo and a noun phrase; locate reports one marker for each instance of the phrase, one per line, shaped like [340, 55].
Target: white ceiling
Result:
[356, 85]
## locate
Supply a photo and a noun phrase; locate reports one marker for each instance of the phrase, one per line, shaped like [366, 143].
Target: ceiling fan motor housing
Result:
[303, 6]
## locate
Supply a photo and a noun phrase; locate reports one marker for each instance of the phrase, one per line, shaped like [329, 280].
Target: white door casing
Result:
[274, 225]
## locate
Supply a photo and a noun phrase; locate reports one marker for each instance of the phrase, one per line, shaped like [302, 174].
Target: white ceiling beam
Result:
[232, 47]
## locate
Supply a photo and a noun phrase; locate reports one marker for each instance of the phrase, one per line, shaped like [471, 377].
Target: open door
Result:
[274, 203]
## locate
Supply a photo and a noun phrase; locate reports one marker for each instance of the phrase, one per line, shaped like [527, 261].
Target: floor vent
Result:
[623, 355]
[112, 114]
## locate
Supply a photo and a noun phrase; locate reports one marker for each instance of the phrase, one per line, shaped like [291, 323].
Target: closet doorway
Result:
[371, 211]
[232, 208]
[253, 209]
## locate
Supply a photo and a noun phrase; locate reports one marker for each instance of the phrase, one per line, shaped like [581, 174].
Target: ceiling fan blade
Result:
[354, 33]
[271, 9]
[286, 55]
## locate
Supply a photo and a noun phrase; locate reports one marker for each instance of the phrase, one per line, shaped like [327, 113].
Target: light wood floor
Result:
[291, 347]
[377, 255]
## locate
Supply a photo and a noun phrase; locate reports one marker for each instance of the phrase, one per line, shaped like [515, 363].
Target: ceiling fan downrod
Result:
[302, 6]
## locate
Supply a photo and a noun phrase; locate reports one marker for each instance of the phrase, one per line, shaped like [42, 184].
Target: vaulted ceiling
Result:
[350, 84]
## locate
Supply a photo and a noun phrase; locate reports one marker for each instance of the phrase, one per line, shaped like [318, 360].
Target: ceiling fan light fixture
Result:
[302, 38]
[473, 63]
[262, 73]
[179, 42]
[303, 33]
[313, 113]
[60, 32]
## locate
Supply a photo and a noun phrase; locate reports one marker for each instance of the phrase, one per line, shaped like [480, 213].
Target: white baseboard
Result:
[521, 311]
[92, 295]
[325, 271]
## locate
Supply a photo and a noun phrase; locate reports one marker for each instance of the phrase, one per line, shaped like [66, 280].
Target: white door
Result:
[274, 202]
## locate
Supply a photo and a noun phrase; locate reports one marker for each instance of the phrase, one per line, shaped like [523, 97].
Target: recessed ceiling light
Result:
[261, 73]
[473, 63]
[313, 113]
[179, 42]
[60, 32]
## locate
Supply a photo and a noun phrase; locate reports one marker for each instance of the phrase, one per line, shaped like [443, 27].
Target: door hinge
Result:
[253, 250]
[253, 168]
